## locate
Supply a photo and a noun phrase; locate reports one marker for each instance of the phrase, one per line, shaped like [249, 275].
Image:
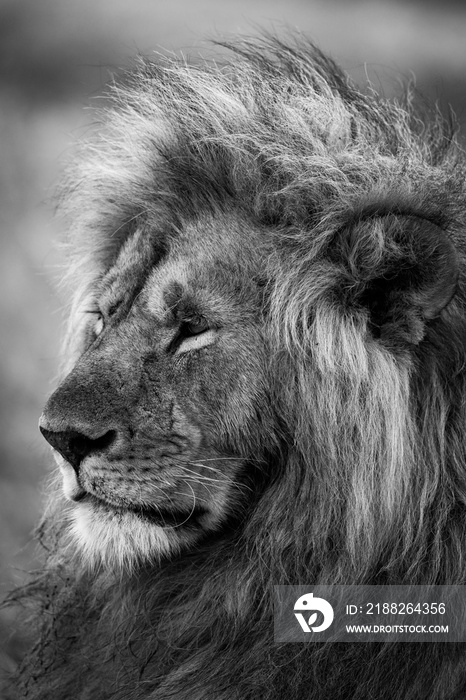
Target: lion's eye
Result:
[194, 333]
[194, 326]
[98, 325]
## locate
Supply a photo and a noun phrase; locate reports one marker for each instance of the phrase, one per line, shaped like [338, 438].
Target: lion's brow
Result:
[179, 303]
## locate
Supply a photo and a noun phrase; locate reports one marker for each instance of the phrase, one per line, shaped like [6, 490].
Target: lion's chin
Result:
[122, 539]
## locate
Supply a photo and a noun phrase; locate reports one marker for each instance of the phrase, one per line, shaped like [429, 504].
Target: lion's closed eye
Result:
[98, 325]
[195, 326]
[194, 334]
[93, 325]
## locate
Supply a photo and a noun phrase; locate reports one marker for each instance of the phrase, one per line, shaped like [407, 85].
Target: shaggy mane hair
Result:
[370, 484]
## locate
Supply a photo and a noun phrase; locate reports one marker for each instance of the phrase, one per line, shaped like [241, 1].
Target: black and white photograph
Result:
[233, 350]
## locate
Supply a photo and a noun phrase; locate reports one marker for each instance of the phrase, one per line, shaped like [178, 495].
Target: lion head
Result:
[264, 382]
[158, 428]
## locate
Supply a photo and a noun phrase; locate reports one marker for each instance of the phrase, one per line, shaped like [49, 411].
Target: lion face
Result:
[151, 428]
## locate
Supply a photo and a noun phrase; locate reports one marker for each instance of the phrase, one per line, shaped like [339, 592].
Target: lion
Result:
[263, 384]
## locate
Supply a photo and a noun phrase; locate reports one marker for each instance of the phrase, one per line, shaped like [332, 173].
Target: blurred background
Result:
[55, 56]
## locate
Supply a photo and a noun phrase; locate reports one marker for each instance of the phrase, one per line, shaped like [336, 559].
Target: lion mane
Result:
[325, 228]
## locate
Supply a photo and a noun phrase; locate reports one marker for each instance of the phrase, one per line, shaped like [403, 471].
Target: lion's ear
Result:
[413, 279]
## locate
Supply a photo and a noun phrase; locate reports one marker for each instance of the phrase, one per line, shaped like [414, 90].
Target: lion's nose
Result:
[74, 446]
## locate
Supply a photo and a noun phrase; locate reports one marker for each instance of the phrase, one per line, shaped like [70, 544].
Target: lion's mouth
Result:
[156, 515]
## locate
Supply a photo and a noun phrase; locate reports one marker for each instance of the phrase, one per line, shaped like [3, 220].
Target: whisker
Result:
[224, 459]
[204, 478]
[192, 510]
[198, 498]
[199, 483]
[200, 464]
[236, 459]
[199, 480]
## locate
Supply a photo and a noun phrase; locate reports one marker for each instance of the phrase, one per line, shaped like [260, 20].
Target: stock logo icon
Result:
[308, 604]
